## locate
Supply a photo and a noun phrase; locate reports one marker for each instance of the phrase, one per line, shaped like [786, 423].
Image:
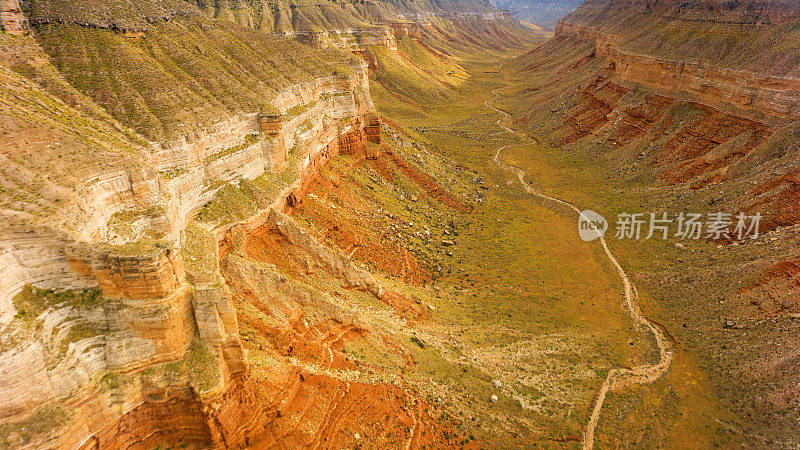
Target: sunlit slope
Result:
[182, 74]
[52, 138]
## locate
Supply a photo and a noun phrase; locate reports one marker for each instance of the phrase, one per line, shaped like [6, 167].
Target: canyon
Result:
[541, 13]
[120, 308]
[157, 317]
[248, 224]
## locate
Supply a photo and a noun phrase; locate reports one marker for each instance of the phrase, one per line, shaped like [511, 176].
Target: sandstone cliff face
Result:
[746, 90]
[701, 75]
[754, 35]
[106, 340]
[12, 20]
[182, 176]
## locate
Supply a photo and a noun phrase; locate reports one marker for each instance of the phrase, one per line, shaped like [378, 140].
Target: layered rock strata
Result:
[756, 93]
[12, 20]
[143, 355]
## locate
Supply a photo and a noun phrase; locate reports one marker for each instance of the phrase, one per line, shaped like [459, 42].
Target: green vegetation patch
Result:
[44, 420]
[200, 254]
[183, 74]
[135, 214]
[235, 202]
[203, 367]
[144, 246]
[249, 140]
[76, 334]
[33, 301]
[173, 172]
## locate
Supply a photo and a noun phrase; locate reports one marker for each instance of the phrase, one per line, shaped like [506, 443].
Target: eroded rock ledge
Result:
[138, 353]
[755, 94]
[12, 20]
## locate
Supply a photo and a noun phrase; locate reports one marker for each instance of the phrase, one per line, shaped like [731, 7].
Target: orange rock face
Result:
[299, 401]
[349, 143]
[747, 90]
[406, 29]
[135, 277]
[12, 20]
[174, 422]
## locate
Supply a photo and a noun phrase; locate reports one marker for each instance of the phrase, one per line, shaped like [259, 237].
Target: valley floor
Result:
[544, 312]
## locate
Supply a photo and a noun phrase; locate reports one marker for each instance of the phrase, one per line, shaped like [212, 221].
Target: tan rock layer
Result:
[773, 96]
[12, 20]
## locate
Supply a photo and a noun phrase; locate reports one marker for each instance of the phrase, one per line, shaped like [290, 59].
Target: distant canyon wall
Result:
[741, 90]
[704, 94]
[756, 12]
[543, 13]
[757, 94]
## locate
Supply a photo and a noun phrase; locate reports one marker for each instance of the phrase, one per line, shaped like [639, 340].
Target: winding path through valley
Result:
[617, 377]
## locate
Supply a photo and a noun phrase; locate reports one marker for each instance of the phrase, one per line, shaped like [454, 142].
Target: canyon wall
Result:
[543, 13]
[734, 90]
[349, 26]
[182, 176]
[119, 325]
[756, 93]
[141, 354]
[755, 12]
[346, 39]
[699, 95]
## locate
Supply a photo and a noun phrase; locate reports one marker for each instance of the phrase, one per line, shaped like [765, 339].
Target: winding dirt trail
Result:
[617, 377]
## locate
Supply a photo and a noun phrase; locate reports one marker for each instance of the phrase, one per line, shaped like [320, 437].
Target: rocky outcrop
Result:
[347, 39]
[406, 28]
[699, 76]
[12, 20]
[701, 81]
[146, 355]
[333, 262]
